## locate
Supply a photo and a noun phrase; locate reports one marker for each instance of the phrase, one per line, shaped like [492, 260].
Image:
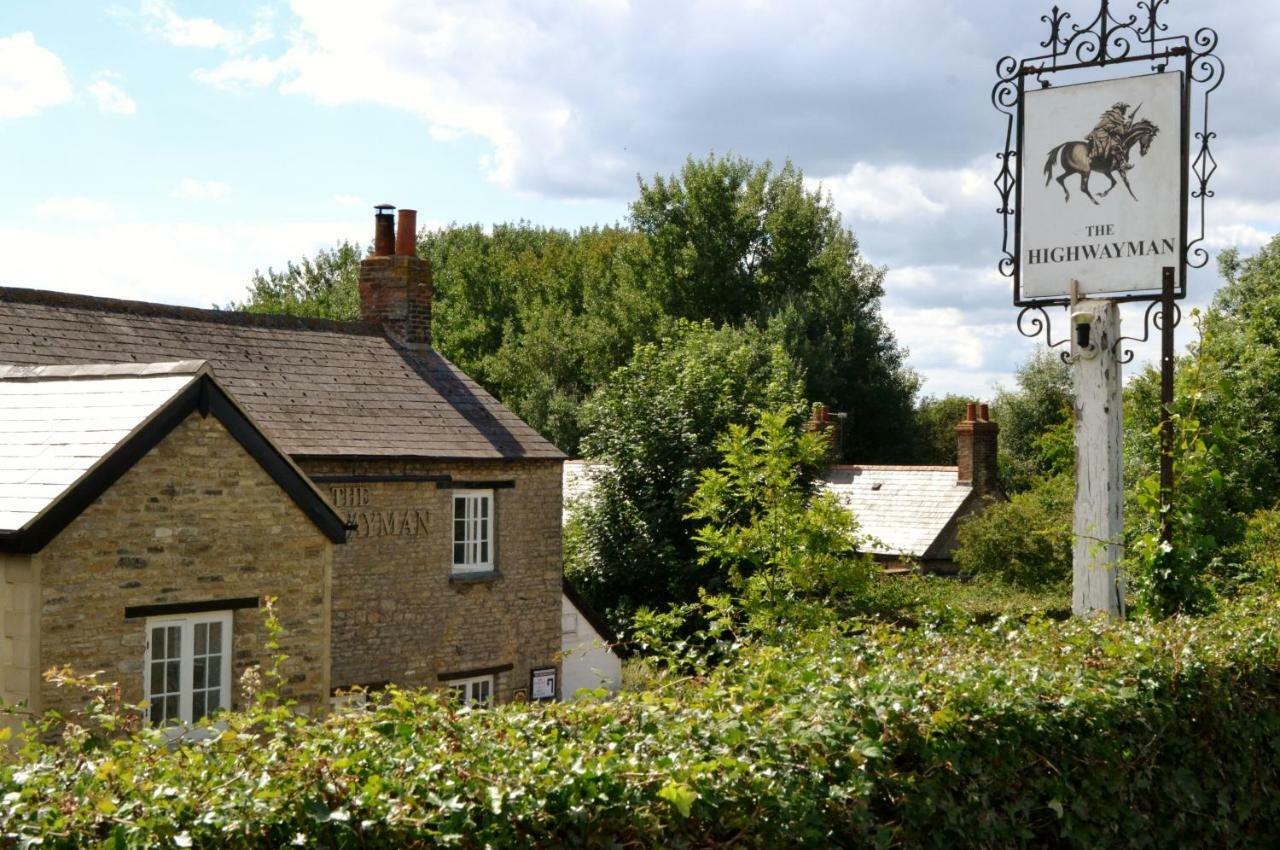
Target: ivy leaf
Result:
[1056, 805]
[679, 795]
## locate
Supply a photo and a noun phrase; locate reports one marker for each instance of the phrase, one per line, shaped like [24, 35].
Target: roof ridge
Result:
[51, 298]
[74, 371]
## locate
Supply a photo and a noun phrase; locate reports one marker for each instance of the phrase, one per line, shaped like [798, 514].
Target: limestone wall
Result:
[401, 616]
[195, 519]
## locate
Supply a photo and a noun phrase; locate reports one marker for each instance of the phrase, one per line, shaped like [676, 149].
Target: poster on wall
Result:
[1102, 183]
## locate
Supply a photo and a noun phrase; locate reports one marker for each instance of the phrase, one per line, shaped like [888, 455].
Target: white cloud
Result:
[76, 209]
[31, 77]
[110, 97]
[237, 73]
[159, 17]
[201, 190]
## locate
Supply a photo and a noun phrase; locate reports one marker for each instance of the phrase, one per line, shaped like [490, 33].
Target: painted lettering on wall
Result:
[370, 522]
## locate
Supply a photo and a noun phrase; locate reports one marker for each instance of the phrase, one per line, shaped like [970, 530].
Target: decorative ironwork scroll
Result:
[1108, 39]
[1035, 325]
[1153, 318]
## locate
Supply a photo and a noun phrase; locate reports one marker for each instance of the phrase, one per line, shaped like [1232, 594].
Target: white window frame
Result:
[478, 526]
[474, 691]
[186, 625]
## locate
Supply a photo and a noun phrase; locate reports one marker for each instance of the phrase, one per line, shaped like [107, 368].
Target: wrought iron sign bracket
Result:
[1108, 39]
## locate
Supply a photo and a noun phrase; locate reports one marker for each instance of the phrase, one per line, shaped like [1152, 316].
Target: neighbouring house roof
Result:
[904, 509]
[68, 432]
[320, 388]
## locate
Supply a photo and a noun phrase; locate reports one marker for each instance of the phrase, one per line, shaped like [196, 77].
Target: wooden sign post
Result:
[1098, 526]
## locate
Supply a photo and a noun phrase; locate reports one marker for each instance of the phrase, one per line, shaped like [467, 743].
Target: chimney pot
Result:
[407, 233]
[384, 231]
[970, 412]
[983, 413]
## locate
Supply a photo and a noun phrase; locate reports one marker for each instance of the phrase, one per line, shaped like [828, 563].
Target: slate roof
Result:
[68, 432]
[904, 509]
[319, 388]
[57, 422]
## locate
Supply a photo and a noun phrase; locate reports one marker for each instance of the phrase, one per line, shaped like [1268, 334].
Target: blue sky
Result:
[163, 149]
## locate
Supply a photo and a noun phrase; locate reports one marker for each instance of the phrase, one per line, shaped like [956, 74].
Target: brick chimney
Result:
[830, 425]
[395, 285]
[976, 449]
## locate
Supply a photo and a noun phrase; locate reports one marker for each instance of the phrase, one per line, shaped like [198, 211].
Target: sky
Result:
[163, 150]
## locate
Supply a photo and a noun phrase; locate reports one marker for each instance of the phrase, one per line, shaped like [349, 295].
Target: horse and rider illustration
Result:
[1106, 151]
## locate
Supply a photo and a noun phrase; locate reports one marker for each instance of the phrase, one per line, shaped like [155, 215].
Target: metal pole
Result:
[1166, 408]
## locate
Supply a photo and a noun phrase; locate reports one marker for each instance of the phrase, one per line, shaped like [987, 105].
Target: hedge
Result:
[1010, 734]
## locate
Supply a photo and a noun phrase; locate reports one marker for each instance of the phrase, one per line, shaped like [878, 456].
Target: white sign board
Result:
[1101, 182]
[542, 683]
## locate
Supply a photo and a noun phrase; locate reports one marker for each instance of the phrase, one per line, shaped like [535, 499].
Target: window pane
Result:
[157, 710]
[459, 553]
[197, 706]
[157, 677]
[483, 502]
[202, 635]
[157, 642]
[215, 670]
[197, 673]
[171, 708]
[172, 671]
[484, 552]
[214, 700]
[460, 508]
[215, 637]
[175, 643]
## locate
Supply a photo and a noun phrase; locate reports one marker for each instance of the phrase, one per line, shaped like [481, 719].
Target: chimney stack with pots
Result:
[395, 285]
[976, 449]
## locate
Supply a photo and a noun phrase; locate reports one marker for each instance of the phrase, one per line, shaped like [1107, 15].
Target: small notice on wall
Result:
[542, 684]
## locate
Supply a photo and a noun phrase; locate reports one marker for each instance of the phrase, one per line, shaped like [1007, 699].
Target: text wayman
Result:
[1100, 251]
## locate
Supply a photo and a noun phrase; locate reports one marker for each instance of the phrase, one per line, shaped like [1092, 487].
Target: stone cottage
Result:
[451, 573]
[143, 516]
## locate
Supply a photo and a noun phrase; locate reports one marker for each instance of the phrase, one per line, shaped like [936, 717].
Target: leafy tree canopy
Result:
[325, 286]
[1035, 422]
[654, 428]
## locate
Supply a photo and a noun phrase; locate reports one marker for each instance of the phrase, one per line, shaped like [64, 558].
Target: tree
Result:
[541, 317]
[653, 428]
[325, 286]
[788, 550]
[936, 420]
[733, 241]
[1227, 439]
[1036, 422]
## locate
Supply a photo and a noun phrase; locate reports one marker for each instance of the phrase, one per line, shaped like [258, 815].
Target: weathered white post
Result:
[1097, 584]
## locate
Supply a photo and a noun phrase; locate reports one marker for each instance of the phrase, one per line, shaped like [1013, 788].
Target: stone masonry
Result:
[399, 615]
[196, 519]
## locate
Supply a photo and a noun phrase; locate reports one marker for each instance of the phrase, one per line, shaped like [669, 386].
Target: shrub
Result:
[783, 545]
[1025, 541]
[1072, 734]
